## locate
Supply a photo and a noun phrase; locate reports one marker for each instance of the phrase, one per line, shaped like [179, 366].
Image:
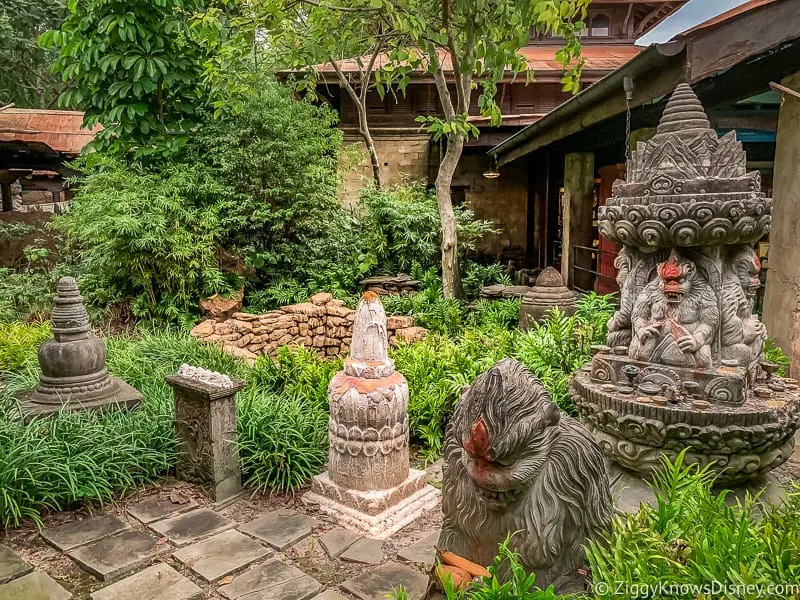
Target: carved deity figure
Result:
[635, 268]
[675, 317]
[515, 465]
[743, 334]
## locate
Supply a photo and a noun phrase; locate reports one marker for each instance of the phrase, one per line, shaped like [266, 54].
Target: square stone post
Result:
[205, 434]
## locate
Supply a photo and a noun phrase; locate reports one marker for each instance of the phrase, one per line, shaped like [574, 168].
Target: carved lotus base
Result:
[114, 393]
[742, 442]
[378, 513]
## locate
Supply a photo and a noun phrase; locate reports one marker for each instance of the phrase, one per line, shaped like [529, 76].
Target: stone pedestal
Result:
[205, 431]
[73, 365]
[369, 486]
[683, 367]
[548, 293]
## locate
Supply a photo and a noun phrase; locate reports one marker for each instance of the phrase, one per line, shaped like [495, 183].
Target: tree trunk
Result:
[363, 129]
[451, 277]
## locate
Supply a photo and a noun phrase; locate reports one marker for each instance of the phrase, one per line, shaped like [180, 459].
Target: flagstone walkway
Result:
[172, 544]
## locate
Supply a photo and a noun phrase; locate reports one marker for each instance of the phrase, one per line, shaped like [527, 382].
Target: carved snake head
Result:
[508, 423]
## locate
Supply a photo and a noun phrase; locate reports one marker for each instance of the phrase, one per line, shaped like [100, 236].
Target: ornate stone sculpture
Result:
[73, 364]
[368, 485]
[549, 292]
[684, 355]
[513, 463]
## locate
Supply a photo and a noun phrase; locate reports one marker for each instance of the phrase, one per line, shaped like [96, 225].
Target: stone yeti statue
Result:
[515, 464]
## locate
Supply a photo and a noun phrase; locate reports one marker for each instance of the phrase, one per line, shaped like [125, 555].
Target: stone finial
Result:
[69, 316]
[369, 349]
[550, 277]
[549, 292]
[683, 113]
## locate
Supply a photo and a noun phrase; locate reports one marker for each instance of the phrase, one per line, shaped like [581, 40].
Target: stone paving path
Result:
[157, 549]
[172, 546]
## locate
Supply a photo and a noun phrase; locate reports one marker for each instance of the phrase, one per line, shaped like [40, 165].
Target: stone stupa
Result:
[547, 293]
[369, 486]
[73, 364]
[684, 363]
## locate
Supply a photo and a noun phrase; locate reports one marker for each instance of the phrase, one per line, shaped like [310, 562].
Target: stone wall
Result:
[404, 157]
[323, 323]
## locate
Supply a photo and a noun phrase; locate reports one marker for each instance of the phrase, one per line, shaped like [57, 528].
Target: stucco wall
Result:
[782, 300]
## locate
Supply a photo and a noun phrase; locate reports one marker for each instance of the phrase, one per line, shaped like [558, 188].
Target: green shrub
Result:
[403, 227]
[695, 537]
[475, 276]
[19, 343]
[773, 353]
[150, 239]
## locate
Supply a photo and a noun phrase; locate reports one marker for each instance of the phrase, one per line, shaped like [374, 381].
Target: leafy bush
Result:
[403, 227]
[476, 276]
[19, 343]
[694, 537]
[150, 238]
[773, 353]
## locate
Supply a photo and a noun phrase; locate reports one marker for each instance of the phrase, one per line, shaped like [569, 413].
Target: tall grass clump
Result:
[693, 538]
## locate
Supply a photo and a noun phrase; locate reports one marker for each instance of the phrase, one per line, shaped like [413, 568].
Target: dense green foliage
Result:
[25, 77]
[282, 411]
[696, 537]
[150, 239]
[135, 67]
[261, 184]
[402, 227]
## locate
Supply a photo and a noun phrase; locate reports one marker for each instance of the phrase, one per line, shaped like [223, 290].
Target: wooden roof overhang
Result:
[725, 59]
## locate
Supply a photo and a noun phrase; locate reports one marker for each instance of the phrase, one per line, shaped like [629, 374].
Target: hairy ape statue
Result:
[515, 465]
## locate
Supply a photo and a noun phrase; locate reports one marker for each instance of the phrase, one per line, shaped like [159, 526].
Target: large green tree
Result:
[25, 77]
[138, 68]
[465, 45]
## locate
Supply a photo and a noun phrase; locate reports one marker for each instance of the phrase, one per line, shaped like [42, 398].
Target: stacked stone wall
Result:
[323, 323]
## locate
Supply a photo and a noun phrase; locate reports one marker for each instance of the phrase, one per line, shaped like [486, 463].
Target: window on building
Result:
[600, 26]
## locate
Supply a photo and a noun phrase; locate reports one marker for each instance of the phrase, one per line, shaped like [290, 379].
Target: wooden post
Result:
[782, 300]
[8, 203]
[577, 218]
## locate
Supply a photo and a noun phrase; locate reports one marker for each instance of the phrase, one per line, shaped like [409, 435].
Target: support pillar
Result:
[782, 300]
[577, 218]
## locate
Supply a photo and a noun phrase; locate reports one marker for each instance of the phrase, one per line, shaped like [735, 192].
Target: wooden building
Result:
[406, 152]
[744, 65]
[34, 146]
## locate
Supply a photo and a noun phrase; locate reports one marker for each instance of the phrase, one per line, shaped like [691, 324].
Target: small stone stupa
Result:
[73, 364]
[369, 486]
[684, 365]
[547, 293]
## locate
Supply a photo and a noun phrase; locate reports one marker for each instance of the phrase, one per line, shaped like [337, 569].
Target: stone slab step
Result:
[37, 585]
[159, 582]
[192, 526]
[77, 533]
[11, 565]
[221, 555]
[273, 580]
[114, 557]
[281, 528]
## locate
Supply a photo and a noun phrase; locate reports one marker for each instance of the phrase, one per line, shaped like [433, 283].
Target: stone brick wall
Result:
[323, 323]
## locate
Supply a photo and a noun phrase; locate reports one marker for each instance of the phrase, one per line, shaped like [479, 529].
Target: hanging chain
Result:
[627, 130]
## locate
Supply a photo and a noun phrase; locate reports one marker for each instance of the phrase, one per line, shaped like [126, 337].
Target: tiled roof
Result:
[721, 18]
[59, 129]
[542, 58]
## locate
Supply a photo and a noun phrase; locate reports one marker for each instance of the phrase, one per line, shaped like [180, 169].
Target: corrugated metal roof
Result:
[59, 129]
[542, 58]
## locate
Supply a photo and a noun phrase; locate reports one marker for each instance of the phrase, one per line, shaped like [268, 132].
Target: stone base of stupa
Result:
[116, 394]
[379, 513]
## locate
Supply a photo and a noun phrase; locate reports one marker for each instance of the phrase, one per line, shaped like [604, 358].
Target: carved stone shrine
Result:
[513, 464]
[369, 485]
[73, 364]
[548, 292]
[205, 430]
[684, 362]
